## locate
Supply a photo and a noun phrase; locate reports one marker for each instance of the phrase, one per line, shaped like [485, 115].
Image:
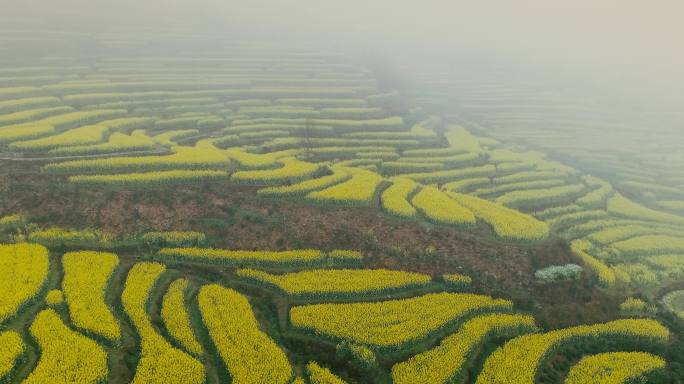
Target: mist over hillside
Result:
[319, 192]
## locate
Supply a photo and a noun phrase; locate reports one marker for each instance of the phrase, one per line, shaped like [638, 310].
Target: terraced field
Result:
[82, 305]
[199, 328]
[618, 202]
[305, 126]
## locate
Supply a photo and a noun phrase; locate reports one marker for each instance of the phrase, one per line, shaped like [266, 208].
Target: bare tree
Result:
[307, 142]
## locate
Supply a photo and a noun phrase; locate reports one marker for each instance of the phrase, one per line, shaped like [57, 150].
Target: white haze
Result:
[634, 47]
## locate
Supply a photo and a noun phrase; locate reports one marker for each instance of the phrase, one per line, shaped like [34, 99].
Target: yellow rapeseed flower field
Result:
[613, 368]
[321, 375]
[117, 142]
[12, 349]
[176, 318]
[56, 236]
[251, 356]
[395, 198]
[65, 356]
[622, 206]
[323, 282]
[303, 187]
[391, 323]
[159, 362]
[606, 276]
[54, 297]
[358, 190]
[204, 155]
[546, 196]
[650, 244]
[86, 278]
[24, 271]
[291, 170]
[517, 361]
[301, 257]
[457, 280]
[251, 160]
[151, 178]
[88, 134]
[507, 223]
[439, 207]
[447, 361]
[174, 238]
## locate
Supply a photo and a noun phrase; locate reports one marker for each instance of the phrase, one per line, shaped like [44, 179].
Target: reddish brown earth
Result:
[234, 217]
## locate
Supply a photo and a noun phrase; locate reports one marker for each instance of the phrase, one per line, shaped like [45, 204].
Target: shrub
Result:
[559, 272]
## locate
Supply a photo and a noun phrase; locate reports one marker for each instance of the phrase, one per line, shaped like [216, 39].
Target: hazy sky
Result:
[614, 36]
[630, 39]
